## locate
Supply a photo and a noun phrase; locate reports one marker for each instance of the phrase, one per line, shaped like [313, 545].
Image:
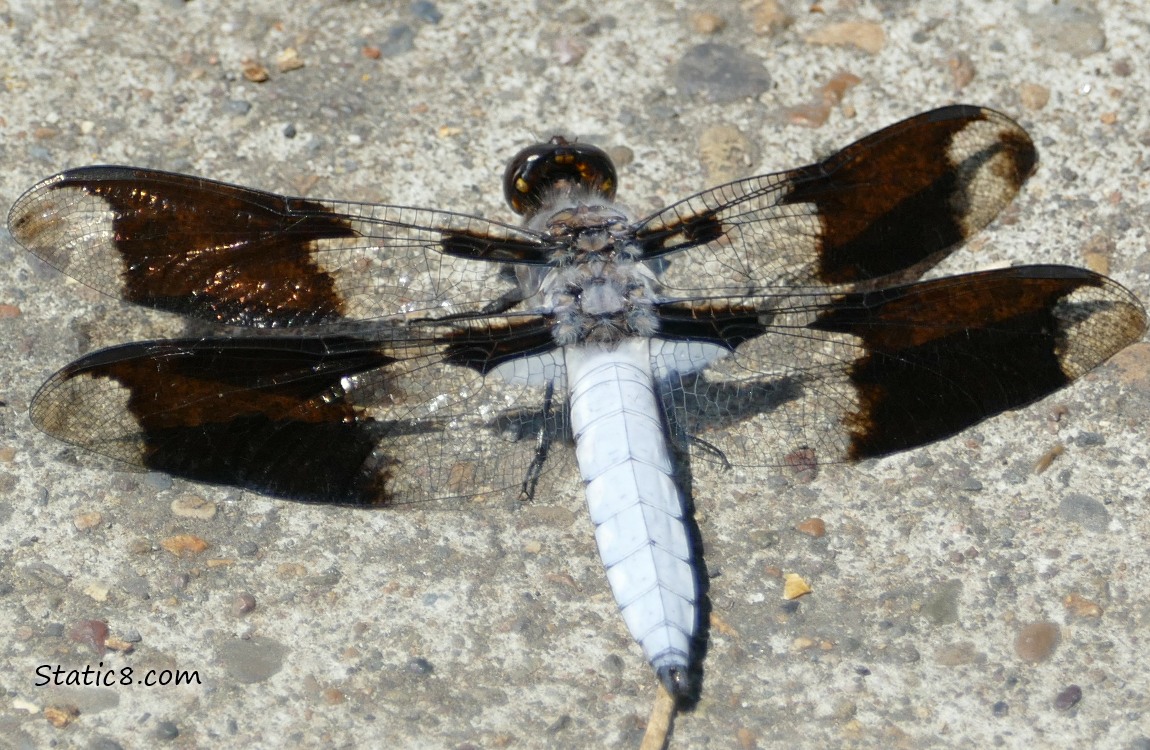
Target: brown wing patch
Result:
[262, 414]
[886, 207]
[237, 256]
[940, 356]
[185, 244]
[896, 198]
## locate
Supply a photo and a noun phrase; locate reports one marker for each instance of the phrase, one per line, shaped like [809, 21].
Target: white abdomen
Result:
[621, 447]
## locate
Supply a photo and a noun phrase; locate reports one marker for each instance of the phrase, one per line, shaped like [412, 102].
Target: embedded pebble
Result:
[255, 71]
[193, 506]
[425, 10]
[1086, 511]
[942, 607]
[1037, 641]
[61, 716]
[767, 17]
[961, 69]
[1034, 96]
[85, 521]
[1080, 606]
[864, 35]
[92, 633]
[707, 23]
[1068, 698]
[419, 666]
[958, 654]
[726, 154]
[97, 591]
[166, 730]
[235, 107]
[288, 60]
[1071, 26]
[156, 479]
[104, 743]
[794, 586]
[814, 527]
[721, 73]
[252, 660]
[400, 39]
[243, 603]
[184, 545]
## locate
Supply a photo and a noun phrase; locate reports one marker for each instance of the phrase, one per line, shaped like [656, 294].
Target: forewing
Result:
[363, 421]
[238, 256]
[886, 208]
[861, 374]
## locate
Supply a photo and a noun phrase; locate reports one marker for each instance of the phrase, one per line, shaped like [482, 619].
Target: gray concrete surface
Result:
[496, 629]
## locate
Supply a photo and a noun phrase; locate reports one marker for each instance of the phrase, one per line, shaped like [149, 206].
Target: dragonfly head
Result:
[540, 173]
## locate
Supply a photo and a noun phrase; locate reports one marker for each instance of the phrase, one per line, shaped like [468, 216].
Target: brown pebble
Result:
[1080, 606]
[812, 527]
[1037, 641]
[85, 521]
[184, 545]
[93, 633]
[794, 586]
[255, 72]
[767, 17]
[141, 547]
[803, 643]
[289, 60]
[61, 716]
[193, 506]
[958, 654]
[1033, 95]
[865, 35]
[833, 91]
[808, 115]
[961, 70]
[707, 23]
[115, 643]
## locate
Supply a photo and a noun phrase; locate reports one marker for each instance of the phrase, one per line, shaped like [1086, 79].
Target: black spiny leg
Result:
[713, 450]
[543, 441]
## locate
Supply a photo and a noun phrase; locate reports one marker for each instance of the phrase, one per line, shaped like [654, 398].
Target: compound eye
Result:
[544, 169]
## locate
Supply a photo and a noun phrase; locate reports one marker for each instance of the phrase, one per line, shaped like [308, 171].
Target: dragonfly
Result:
[374, 355]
